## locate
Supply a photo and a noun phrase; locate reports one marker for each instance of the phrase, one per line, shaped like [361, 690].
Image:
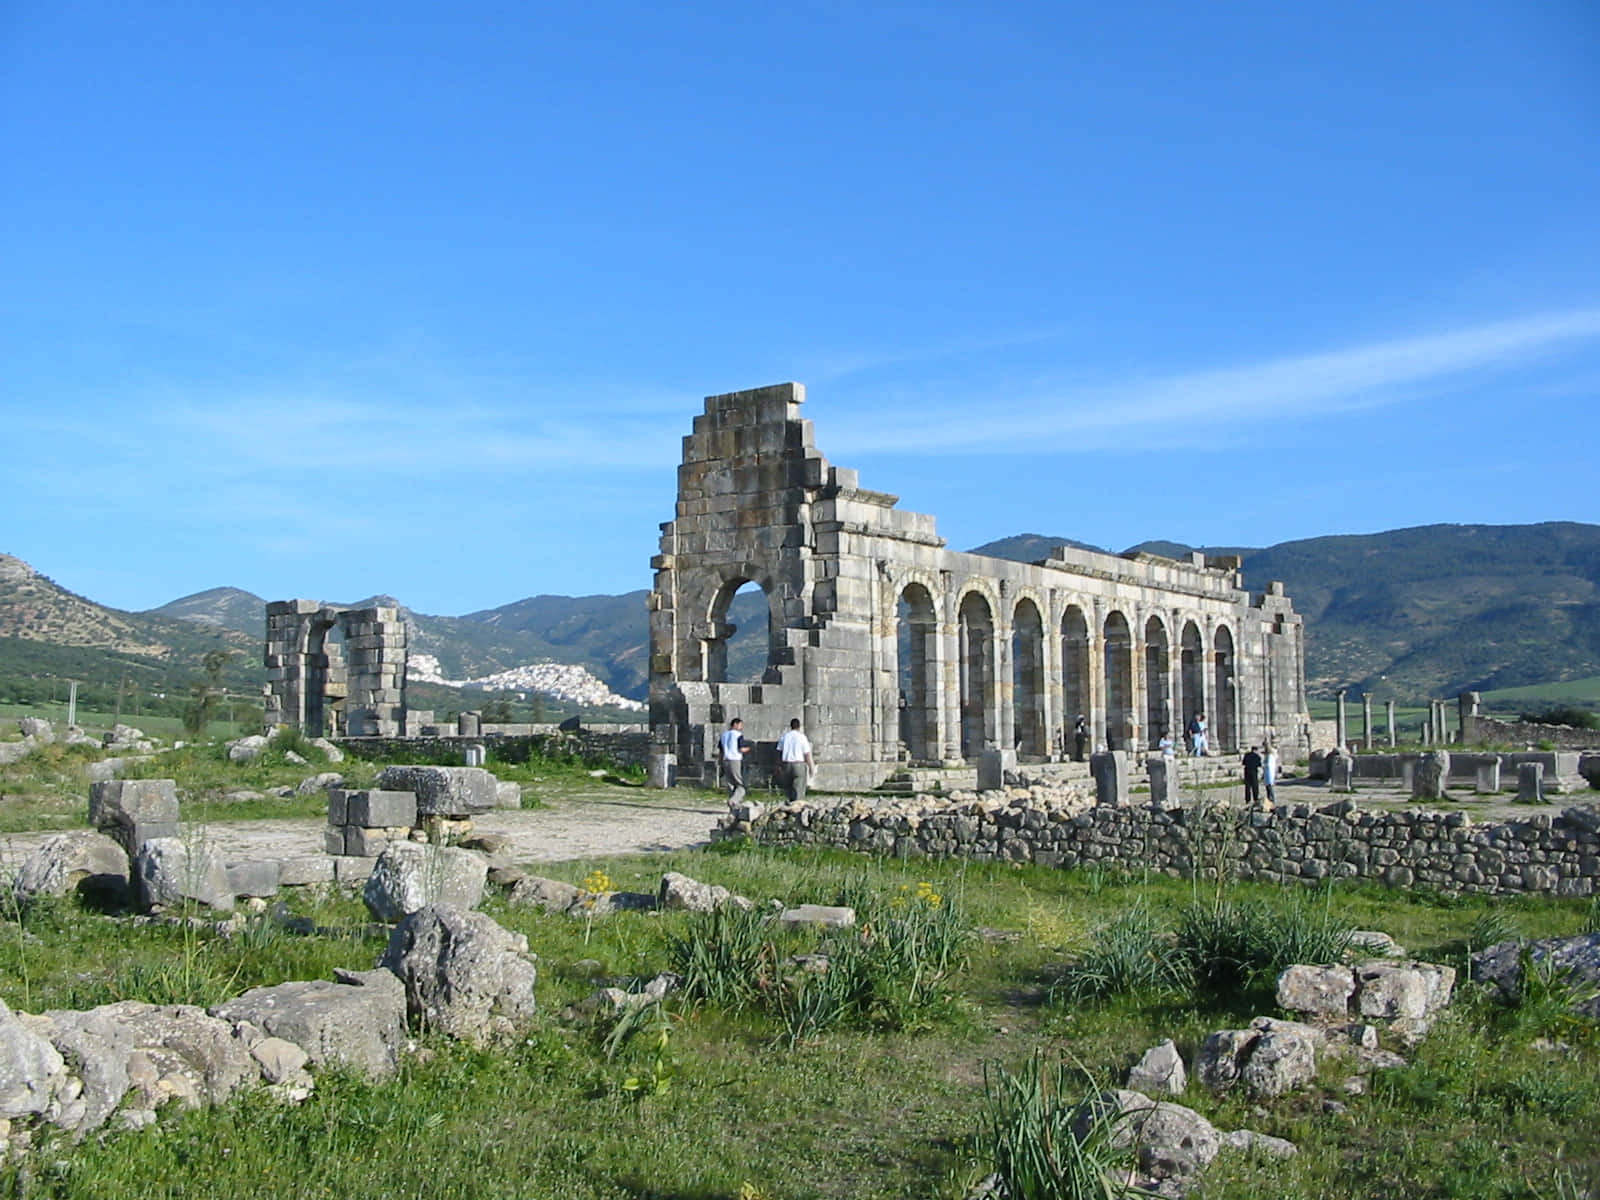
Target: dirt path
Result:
[567, 829]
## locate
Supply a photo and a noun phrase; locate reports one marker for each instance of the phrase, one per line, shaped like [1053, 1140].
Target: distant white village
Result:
[563, 681]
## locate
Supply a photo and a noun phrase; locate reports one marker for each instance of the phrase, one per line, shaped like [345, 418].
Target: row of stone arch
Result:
[1014, 685]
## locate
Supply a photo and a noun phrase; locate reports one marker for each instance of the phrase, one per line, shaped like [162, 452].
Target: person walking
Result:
[794, 757]
[1269, 774]
[734, 746]
[1252, 778]
[1080, 738]
[1165, 744]
[1197, 735]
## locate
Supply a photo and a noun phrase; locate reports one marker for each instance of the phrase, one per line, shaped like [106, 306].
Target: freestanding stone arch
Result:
[335, 670]
[889, 645]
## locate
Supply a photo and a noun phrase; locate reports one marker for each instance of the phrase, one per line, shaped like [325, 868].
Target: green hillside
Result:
[1436, 609]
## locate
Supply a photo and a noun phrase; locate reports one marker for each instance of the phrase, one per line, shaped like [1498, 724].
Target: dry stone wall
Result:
[1444, 851]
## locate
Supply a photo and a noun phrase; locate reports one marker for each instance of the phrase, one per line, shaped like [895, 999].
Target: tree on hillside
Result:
[205, 694]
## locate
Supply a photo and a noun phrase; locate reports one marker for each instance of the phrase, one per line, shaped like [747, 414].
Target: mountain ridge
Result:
[1424, 610]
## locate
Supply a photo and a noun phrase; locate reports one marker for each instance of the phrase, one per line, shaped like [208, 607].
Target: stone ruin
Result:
[333, 671]
[891, 648]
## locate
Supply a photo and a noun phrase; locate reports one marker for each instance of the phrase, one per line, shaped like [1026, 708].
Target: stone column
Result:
[1366, 720]
[1388, 719]
[1139, 700]
[1467, 712]
[1004, 722]
[1052, 698]
[1097, 677]
[1338, 719]
[951, 641]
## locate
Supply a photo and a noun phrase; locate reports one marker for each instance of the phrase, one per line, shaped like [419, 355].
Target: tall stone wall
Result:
[891, 648]
[1557, 856]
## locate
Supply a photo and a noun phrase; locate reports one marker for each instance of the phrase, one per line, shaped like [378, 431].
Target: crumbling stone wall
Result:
[891, 647]
[311, 680]
[1445, 851]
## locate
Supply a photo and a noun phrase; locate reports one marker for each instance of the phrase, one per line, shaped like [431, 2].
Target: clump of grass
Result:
[889, 971]
[1132, 953]
[1042, 1146]
[1228, 946]
[724, 957]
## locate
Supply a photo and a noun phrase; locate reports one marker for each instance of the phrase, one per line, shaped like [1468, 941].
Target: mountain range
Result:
[1426, 611]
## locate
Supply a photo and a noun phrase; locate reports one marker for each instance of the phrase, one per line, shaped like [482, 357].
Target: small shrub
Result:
[1132, 953]
[1042, 1146]
[1228, 946]
[1570, 715]
[725, 957]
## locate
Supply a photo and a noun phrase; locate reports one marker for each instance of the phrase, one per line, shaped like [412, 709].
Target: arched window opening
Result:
[1075, 694]
[1119, 682]
[1027, 681]
[917, 642]
[1191, 678]
[976, 636]
[1157, 683]
[1222, 722]
[738, 648]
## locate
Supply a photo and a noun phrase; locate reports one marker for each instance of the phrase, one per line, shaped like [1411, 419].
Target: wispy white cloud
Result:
[1174, 409]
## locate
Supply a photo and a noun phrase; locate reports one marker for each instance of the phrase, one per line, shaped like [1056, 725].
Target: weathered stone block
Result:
[132, 811]
[443, 791]
[380, 809]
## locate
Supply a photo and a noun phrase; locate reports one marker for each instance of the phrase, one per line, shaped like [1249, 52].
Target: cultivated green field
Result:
[724, 1101]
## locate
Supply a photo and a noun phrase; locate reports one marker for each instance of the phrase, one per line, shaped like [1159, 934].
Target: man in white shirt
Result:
[794, 758]
[733, 746]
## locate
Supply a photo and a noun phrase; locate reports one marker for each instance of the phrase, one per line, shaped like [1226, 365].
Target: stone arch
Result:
[727, 658]
[916, 663]
[975, 632]
[1077, 695]
[1119, 681]
[1191, 675]
[1157, 681]
[1028, 679]
[1224, 730]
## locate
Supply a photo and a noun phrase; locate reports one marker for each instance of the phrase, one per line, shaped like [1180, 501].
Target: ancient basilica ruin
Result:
[893, 649]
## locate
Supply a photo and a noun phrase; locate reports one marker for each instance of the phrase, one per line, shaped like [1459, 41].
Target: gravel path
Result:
[573, 829]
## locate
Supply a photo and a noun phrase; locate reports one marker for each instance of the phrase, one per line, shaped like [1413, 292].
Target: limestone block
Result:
[1486, 779]
[827, 916]
[1110, 771]
[381, 809]
[1321, 991]
[167, 870]
[306, 870]
[84, 862]
[464, 975]
[350, 869]
[365, 843]
[1160, 1070]
[443, 791]
[1530, 783]
[1433, 771]
[357, 1023]
[410, 875]
[259, 878]
[134, 810]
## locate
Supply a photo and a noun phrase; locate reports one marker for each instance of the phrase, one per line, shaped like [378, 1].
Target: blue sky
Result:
[325, 300]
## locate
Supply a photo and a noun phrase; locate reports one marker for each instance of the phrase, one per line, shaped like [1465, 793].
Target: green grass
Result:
[1584, 691]
[851, 1111]
[97, 722]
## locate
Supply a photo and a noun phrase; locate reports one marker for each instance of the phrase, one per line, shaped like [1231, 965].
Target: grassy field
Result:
[1584, 692]
[94, 722]
[734, 1107]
